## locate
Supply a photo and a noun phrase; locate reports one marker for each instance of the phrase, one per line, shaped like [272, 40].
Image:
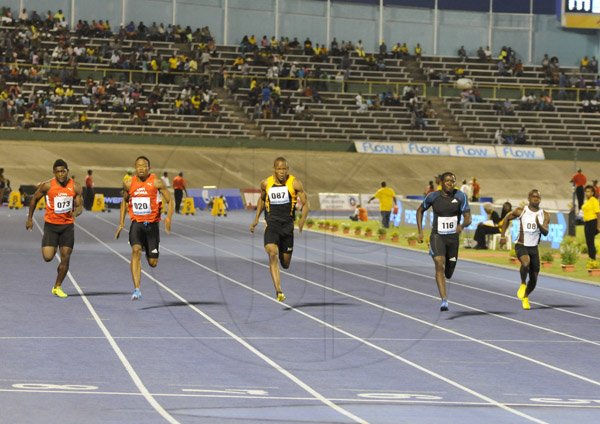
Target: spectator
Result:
[476, 189]
[498, 137]
[360, 102]
[179, 189]
[360, 214]
[462, 54]
[579, 180]
[88, 191]
[521, 137]
[492, 225]
[481, 54]
[430, 188]
[387, 199]
[466, 189]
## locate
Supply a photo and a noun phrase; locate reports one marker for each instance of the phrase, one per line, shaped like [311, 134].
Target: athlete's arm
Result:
[260, 205]
[164, 192]
[40, 192]
[123, 208]
[505, 223]
[305, 208]
[543, 227]
[467, 219]
[77, 201]
[420, 211]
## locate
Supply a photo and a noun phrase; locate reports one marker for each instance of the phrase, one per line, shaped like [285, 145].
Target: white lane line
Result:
[237, 338]
[325, 324]
[421, 321]
[385, 283]
[580, 405]
[126, 364]
[461, 270]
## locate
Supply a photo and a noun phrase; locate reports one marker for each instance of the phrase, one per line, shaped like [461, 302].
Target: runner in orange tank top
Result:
[143, 196]
[63, 204]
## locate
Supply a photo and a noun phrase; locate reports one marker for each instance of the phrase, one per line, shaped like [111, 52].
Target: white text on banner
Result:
[472, 151]
[425, 149]
[376, 147]
[514, 152]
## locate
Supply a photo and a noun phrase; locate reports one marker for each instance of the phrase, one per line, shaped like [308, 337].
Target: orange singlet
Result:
[59, 203]
[144, 200]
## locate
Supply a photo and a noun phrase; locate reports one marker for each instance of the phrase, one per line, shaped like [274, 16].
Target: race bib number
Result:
[63, 204]
[279, 195]
[141, 206]
[447, 224]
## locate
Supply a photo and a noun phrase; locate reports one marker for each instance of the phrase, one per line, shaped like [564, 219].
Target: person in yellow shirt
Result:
[387, 200]
[128, 176]
[591, 213]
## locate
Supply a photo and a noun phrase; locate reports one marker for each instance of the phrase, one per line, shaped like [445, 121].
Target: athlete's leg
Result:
[48, 253]
[285, 259]
[534, 270]
[440, 278]
[273, 252]
[136, 265]
[63, 267]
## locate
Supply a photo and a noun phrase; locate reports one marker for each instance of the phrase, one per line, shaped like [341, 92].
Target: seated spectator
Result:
[508, 108]
[308, 48]
[360, 214]
[371, 62]
[383, 49]
[417, 120]
[488, 53]
[492, 225]
[362, 105]
[360, 50]
[335, 48]
[459, 72]
[499, 137]
[462, 53]
[481, 54]
[140, 116]
[418, 52]
[502, 70]
[84, 122]
[521, 137]
[584, 64]
[517, 69]
[593, 66]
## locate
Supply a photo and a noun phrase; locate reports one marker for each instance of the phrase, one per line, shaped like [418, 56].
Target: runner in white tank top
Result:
[533, 224]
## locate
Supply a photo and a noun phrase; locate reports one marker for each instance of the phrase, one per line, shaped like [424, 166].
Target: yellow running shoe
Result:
[58, 291]
[280, 297]
[526, 304]
[521, 291]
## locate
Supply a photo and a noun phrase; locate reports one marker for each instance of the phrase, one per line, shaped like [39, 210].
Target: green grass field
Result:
[499, 257]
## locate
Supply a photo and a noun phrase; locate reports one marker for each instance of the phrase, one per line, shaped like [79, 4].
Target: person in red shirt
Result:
[143, 197]
[476, 189]
[63, 204]
[579, 181]
[179, 189]
[88, 194]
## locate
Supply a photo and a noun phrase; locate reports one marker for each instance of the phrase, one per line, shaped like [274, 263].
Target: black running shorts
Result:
[282, 235]
[532, 252]
[145, 234]
[55, 235]
[446, 246]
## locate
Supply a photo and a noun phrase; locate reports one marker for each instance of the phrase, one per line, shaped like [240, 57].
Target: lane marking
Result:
[237, 338]
[323, 323]
[124, 361]
[393, 311]
[544, 403]
[386, 283]
[353, 258]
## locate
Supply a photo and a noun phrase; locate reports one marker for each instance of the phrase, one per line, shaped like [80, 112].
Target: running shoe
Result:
[521, 292]
[526, 304]
[444, 305]
[58, 292]
[136, 295]
[280, 297]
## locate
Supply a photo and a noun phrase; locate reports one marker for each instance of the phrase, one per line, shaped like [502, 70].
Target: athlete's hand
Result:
[420, 237]
[28, 224]
[459, 229]
[119, 228]
[252, 227]
[168, 225]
